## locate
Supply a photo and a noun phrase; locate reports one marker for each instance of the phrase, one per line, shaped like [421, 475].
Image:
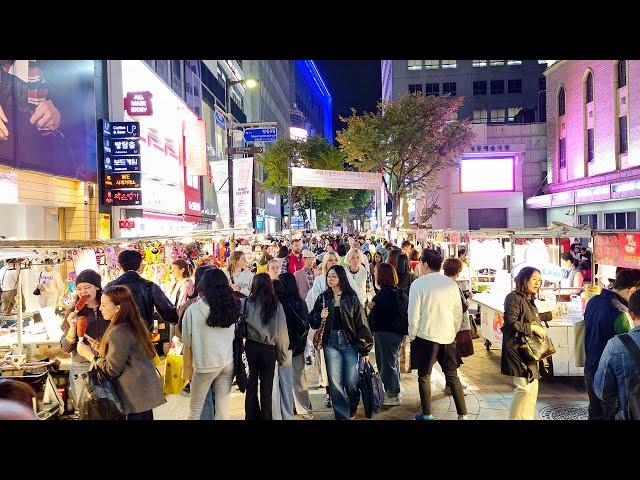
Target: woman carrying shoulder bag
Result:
[521, 318]
[126, 355]
[345, 336]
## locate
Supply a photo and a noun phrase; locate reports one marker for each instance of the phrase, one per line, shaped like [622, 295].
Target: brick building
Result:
[593, 144]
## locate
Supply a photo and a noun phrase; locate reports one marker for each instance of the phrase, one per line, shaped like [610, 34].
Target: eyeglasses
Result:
[333, 277]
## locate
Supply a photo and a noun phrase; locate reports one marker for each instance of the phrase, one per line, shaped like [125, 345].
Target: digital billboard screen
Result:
[487, 175]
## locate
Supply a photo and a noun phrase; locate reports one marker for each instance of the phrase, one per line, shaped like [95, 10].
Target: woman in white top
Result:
[238, 273]
[360, 274]
[208, 328]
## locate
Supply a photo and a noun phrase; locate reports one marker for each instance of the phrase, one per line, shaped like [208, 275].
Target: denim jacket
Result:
[616, 365]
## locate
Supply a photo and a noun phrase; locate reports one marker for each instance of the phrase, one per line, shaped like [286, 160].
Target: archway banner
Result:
[311, 177]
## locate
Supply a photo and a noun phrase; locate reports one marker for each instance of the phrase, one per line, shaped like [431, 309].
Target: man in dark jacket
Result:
[606, 316]
[146, 294]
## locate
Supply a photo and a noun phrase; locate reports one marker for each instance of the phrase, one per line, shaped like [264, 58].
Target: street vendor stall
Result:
[539, 248]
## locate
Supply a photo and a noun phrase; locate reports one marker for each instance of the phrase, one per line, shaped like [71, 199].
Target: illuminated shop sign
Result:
[138, 104]
[123, 198]
[122, 164]
[122, 180]
[121, 146]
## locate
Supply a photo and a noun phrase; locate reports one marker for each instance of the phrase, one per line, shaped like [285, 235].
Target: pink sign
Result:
[138, 103]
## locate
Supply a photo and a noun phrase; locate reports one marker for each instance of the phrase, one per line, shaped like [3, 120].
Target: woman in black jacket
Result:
[405, 275]
[388, 320]
[295, 309]
[345, 337]
[521, 318]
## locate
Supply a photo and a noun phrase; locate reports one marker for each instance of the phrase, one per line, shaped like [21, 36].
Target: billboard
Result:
[487, 175]
[48, 117]
[617, 249]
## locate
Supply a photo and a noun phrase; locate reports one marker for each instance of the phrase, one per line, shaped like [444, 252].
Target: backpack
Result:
[633, 394]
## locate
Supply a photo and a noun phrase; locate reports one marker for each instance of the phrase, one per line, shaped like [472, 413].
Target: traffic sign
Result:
[260, 135]
[248, 150]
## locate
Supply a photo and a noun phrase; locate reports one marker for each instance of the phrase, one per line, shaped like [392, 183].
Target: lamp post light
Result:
[249, 83]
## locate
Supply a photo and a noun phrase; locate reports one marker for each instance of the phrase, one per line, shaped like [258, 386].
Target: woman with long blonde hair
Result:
[238, 273]
[126, 355]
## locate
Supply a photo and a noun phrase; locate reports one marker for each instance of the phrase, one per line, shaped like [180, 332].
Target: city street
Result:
[488, 395]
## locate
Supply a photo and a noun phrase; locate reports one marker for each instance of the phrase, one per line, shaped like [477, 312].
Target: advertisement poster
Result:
[606, 249]
[48, 117]
[219, 173]
[629, 248]
[242, 191]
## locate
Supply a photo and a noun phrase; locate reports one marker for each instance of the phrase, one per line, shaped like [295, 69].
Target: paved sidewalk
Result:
[488, 395]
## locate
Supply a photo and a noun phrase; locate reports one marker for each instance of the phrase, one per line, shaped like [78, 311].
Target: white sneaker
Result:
[392, 401]
[463, 417]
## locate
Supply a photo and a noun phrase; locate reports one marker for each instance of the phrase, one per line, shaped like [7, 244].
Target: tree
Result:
[411, 139]
[315, 152]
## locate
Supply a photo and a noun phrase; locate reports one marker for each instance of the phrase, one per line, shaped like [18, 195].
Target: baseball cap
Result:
[308, 254]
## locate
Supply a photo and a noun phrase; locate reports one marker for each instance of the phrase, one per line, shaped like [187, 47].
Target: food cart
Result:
[540, 248]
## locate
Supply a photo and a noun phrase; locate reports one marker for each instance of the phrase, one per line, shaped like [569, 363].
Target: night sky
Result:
[352, 83]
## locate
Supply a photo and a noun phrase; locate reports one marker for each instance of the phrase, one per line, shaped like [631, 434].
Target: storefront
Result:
[172, 153]
[48, 171]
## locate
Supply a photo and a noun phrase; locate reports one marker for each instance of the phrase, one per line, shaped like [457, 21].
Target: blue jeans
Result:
[387, 345]
[342, 369]
[283, 393]
[209, 410]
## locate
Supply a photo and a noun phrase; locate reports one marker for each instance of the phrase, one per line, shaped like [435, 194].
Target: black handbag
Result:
[99, 400]
[240, 364]
[371, 389]
[533, 348]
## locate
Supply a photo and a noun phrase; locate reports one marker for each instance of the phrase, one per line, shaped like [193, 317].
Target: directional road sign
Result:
[248, 150]
[260, 135]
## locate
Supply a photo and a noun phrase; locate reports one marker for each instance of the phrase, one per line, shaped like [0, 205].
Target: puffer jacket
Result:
[520, 313]
[354, 319]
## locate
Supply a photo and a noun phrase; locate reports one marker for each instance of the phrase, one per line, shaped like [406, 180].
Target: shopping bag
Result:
[99, 400]
[174, 382]
[578, 346]
[240, 363]
[371, 390]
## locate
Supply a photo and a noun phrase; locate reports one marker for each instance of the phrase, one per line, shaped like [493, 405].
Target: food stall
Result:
[540, 248]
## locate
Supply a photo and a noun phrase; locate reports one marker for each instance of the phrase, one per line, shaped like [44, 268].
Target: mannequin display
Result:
[50, 284]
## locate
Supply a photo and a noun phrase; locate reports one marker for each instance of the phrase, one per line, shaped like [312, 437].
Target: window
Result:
[514, 86]
[562, 153]
[590, 145]
[561, 102]
[514, 62]
[162, 68]
[193, 181]
[542, 84]
[176, 76]
[497, 87]
[480, 87]
[448, 64]
[622, 73]
[497, 115]
[449, 87]
[431, 64]
[512, 112]
[589, 87]
[620, 220]
[415, 88]
[479, 63]
[590, 219]
[414, 64]
[496, 63]
[480, 116]
[432, 89]
[622, 134]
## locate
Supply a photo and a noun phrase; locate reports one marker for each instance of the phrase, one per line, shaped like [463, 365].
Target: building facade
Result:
[310, 95]
[48, 173]
[269, 102]
[495, 91]
[593, 144]
[505, 165]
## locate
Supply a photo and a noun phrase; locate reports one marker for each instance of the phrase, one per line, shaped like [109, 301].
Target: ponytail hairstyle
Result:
[184, 265]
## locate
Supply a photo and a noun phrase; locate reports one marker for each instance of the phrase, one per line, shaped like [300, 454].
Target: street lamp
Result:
[249, 83]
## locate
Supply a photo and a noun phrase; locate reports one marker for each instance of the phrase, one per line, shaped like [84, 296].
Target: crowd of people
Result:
[327, 303]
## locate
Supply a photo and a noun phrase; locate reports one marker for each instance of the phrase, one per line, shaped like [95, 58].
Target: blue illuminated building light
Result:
[312, 76]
